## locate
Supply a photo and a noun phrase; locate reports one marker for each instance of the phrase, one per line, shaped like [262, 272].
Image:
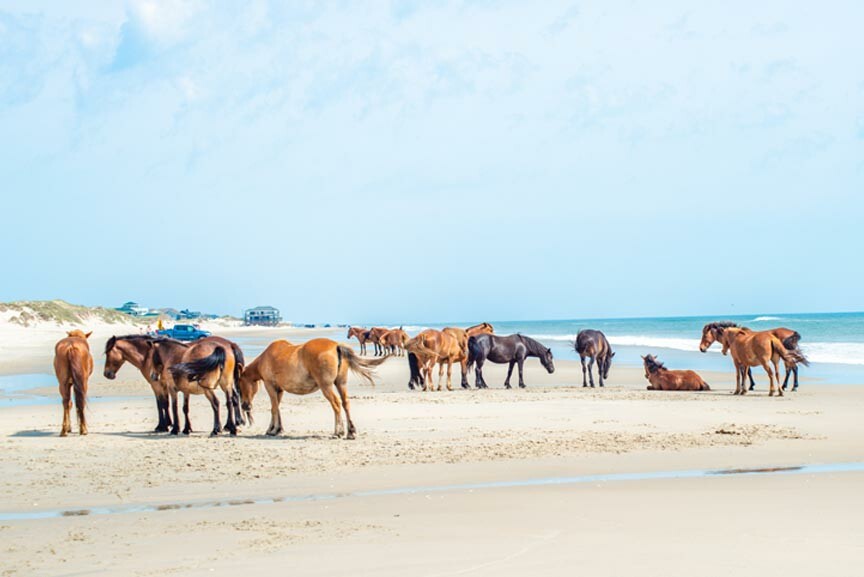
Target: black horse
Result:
[593, 345]
[512, 349]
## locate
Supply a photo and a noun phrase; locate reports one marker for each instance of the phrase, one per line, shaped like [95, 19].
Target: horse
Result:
[394, 341]
[513, 349]
[375, 335]
[319, 364]
[750, 349]
[788, 337]
[73, 365]
[429, 347]
[208, 363]
[662, 379]
[594, 345]
[163, 354]
[362, 336]
[133, 349]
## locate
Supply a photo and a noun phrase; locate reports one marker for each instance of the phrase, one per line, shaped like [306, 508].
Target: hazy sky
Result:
[409, 161]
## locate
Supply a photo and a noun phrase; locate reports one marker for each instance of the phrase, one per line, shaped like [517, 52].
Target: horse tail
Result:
[79, 377]
[239, 365]
[473, 352]
[358, 365]
[794, 356]
[195, 370]
[791, 342]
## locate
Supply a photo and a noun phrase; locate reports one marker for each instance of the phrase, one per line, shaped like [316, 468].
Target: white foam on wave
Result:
[839, 353]
[766, 319]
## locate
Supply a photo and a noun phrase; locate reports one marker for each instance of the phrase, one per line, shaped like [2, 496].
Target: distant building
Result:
[186, 314]
[133, 308]
[268, 316]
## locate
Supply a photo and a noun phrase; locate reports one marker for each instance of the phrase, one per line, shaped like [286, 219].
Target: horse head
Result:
[607, 363]
[114, 359]
[248, 389]
[546, 360]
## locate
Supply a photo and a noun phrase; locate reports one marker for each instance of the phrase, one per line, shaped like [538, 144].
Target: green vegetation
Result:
[61, 312]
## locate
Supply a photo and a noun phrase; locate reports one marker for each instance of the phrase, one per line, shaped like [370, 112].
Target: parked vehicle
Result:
[184, 333]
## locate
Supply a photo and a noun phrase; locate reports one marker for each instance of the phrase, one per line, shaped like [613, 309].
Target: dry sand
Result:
[717, 525]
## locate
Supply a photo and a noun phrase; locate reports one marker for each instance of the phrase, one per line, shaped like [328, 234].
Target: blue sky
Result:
[410, 161]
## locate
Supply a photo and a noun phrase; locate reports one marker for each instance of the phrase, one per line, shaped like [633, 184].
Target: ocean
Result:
[833, 342]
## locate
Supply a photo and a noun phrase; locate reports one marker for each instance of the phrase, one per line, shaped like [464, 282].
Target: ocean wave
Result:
[843, 353]
[766, 319]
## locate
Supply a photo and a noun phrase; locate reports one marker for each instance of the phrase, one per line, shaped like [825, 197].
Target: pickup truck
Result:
[183, 333]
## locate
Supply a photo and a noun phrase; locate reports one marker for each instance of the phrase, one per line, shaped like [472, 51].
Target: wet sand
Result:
[801, 524]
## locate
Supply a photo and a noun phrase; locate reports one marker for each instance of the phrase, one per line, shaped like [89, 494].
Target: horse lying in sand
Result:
[662, 379]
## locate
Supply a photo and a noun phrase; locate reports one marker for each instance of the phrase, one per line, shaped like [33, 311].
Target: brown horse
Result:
[430, 347]
[73, 365]
[788, 337]
[319, 364]
[751, 349]
[394, 342]
[594, 346]
[662, 379]
[375, 335]
[133, 349]
[201, 368]
[362, 336]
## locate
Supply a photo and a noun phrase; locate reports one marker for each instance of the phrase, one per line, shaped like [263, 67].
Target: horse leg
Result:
[187, 426]
[66, 394]
[175, 427]
[795, 371]
[584, 377]
[331, 395]
[509, 372]
[214, 404]
[230, 424]
[80, 401]
[275, 415]
[786, 379]
[770, 371]
[478, 374]
[346, 404]
[601, 365]
[463, 365]
[737, 380]
[750, 374]
[160, 410]
[521, 361]
[440, 374]
[449, 372]
[590, 371]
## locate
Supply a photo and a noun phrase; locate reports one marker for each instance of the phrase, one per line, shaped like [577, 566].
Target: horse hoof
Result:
[176, 432]
[214, 433]
[350, 437]
[521, 385]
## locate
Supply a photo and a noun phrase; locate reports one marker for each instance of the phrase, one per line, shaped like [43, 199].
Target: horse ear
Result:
[612, 355]
[87, 336]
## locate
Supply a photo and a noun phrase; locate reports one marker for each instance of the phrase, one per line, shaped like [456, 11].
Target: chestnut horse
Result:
[73, 365]
[788, 337]
[201, 367]
[319, 364]
[394, 341]
[429, 347]
[594, 345]
[362, 336]
[133, 349]
[662, 379]
[751, 349]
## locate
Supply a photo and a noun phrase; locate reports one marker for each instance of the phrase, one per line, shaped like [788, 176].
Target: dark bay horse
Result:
[73, 365]
[133, 349]
[512, 349]
[593, 345]
[711, 334]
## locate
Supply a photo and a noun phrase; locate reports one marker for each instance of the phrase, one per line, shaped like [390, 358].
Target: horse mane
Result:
[534, 347]
[139, 338]
[721, 325]
[652, 364]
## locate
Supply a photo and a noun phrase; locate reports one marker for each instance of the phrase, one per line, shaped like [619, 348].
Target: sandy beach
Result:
[503, 482]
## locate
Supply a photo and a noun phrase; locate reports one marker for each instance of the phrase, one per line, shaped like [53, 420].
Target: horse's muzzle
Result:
[109, 374]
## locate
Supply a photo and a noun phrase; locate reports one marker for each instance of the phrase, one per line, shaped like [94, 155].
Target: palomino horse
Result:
[750, 349]
[513, 349]
[788, 337]
[206, 364]
[593, 345]
[662, 379]
[319, 364]
[73, 365]
[394, 342]
[430, 347]
[133, 349]
[362, 336]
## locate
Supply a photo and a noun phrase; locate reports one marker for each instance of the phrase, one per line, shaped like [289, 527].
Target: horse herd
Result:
[211, 364]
